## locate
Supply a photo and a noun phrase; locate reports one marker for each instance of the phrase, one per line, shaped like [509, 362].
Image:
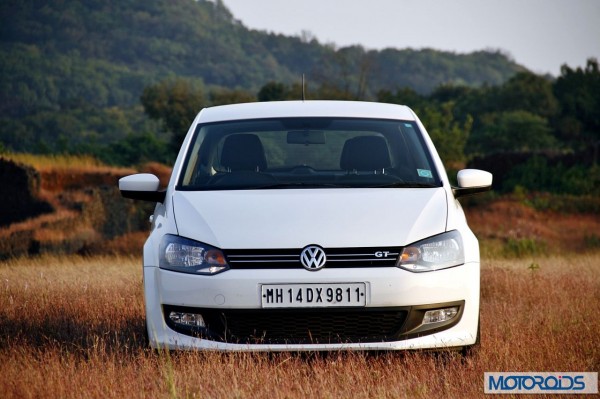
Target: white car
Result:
[307, 226]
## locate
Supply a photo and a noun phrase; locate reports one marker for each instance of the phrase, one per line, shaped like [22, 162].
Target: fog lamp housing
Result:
[187, 319]
[440, 315]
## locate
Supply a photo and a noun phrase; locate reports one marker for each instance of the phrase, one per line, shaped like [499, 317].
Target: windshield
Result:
[307, 153]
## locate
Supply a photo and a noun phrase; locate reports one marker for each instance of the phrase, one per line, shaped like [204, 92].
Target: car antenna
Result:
[303, 95]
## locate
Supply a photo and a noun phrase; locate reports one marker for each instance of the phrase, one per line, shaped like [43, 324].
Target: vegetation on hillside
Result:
[121, 81]
[532, 132]
[72, 72]
[543, 135]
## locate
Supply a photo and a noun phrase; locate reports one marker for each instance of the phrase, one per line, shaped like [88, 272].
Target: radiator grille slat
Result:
[290, 258]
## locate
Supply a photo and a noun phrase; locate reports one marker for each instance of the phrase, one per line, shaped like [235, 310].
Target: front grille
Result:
[290, 258]
[298, 326]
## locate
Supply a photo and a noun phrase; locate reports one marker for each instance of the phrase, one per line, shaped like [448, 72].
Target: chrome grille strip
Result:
[361, 260]
[262, 261]
[290, 258]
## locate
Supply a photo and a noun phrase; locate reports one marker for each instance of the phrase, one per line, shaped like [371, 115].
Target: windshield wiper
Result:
[298, 185]
[406, 185]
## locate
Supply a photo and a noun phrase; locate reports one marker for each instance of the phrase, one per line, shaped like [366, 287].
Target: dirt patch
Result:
[80, 210]
[20, 193]
[84, 211]
[65, 180]
[507, 219]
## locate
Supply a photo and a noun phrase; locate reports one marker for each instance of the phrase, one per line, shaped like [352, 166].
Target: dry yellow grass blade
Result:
[72, 327]
[62, 162]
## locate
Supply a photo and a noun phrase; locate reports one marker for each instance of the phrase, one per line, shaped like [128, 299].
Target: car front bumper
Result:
[238, 293]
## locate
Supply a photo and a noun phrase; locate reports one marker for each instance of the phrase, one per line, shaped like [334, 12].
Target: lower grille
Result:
[298, 326]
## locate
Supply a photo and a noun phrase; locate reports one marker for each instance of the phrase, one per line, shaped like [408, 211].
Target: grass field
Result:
[72, 327]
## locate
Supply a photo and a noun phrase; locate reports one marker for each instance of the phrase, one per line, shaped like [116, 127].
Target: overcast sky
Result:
[539, 34]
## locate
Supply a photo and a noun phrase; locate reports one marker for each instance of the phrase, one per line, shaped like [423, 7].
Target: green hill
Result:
[72, 72]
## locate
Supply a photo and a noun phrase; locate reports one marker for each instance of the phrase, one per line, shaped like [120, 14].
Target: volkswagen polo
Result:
[309, 225]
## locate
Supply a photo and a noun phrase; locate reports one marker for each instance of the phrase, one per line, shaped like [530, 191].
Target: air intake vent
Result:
[297, 326]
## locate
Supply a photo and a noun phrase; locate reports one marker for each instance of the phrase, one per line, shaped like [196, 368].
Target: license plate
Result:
[313, 295]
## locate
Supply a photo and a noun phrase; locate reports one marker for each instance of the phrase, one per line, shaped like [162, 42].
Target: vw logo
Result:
[313, 258]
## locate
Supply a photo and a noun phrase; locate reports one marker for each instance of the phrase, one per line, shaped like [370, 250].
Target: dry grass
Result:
[72, 327]
[60, 173]
[507, 220]
[59, 162]
[83, 165]
[82, 194]
[39, 222]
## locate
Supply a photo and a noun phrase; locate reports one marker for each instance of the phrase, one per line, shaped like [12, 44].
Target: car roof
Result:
[313, 108]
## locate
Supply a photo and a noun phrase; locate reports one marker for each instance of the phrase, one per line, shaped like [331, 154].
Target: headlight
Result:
[434, 253]
[188, 256]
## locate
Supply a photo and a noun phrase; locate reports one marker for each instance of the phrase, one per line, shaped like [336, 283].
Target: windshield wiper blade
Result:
[407, 185]
[299, 185]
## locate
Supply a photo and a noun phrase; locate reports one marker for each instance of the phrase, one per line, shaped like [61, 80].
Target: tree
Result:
[328, 91]
[578, 93]
[224, 96]
[404, 96]
[273, 91]
[450, 92]
[136, 149]
[449, 135]
[512, 131]
[529, 92]
[175, 103]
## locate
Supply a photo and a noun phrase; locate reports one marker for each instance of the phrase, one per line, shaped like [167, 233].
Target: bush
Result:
[536, 174]
[563, 203]
[521, 247]
[592, 241]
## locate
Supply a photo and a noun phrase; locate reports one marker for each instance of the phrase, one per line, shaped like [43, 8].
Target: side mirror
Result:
[472, 181]
[141, 186]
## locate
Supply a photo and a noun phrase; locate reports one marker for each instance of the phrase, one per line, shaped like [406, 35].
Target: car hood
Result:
[295, 218]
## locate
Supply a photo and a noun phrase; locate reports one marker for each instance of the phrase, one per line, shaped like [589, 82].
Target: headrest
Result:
[365, 153]
[243, 152]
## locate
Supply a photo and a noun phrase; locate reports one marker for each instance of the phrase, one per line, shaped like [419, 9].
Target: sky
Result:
[541, 35]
